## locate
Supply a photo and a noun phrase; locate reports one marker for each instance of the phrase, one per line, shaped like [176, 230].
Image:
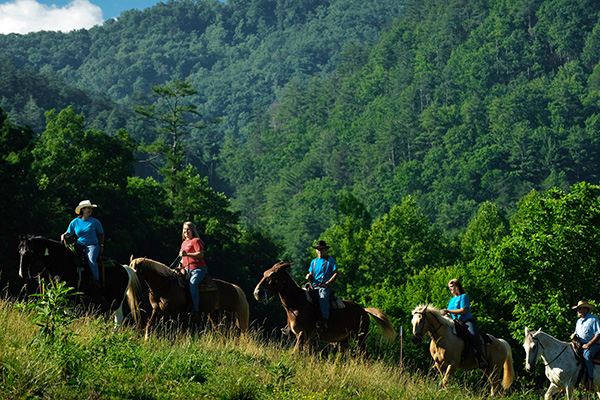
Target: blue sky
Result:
[24, 16]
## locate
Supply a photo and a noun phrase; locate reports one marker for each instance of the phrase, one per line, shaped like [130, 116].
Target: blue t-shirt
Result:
[458, 302]
[322, 269]
[588, 327]
[87, 231]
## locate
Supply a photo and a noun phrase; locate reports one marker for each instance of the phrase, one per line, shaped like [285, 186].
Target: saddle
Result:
[206, 285]
[577, 347]
[313, 297]
[460, 329]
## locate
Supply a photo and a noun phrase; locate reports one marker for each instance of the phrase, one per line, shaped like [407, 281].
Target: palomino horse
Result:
[344, 323]
[51, 259]
[446, 348]
[170, 300]
[562, 367]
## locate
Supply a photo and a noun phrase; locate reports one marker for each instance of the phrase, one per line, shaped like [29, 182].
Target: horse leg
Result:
[555, 389]
[119, 316]
[301, 339]
[151, 322]
[448, 373]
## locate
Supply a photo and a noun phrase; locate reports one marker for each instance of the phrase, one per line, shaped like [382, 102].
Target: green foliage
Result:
[553, 245]
[52, 310]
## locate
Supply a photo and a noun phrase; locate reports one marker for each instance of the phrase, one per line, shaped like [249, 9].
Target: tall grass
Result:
[96, 362]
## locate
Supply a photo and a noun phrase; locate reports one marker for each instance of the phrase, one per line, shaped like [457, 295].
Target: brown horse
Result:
[446, 348]
[170, 300]
[352, 321]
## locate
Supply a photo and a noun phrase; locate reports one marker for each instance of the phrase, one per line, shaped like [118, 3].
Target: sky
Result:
[24, 16]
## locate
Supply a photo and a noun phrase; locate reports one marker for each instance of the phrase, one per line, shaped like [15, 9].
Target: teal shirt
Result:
[458, 302]
[87, 231]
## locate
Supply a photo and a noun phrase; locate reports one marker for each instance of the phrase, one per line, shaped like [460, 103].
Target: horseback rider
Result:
[90, 236]
[192, 260]
[459, 307]
[322, 273]
[587, 331]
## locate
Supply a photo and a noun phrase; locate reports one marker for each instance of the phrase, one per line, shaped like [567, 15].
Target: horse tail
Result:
[389, 333]
[133, 292]
[242, 309]
[509, 372]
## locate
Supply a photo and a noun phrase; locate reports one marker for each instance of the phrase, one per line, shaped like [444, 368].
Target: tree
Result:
[175, 119]
[550, 261]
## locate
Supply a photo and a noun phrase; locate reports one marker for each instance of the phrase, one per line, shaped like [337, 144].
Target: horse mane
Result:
[155, 266]
[435, 312]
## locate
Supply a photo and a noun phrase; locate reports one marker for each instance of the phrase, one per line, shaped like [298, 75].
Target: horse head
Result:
[427, 318]
[272, 282]
[32, 253]
[532, 348]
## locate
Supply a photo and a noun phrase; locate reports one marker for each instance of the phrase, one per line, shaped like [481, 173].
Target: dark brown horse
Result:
[352, 321]
[169, 299]
[51, 259]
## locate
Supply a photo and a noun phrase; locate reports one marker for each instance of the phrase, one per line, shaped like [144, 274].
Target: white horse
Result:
[562, 367]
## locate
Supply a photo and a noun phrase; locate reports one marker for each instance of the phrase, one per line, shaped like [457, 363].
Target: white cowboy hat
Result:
[83, 204]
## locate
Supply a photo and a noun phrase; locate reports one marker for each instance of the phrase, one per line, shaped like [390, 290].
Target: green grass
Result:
[95, 362]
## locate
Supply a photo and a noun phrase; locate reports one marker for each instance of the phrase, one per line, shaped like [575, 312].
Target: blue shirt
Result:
[322, 269]
[87, 231]
[458, 302]
[588, 327]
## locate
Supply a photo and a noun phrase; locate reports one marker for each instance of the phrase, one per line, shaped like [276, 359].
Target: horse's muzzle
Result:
[417, 339]
[261, 295]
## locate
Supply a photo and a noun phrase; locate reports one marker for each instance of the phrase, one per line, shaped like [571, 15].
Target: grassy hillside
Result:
[84, 358]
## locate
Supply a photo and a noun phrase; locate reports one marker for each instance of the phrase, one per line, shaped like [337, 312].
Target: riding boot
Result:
[482, 362]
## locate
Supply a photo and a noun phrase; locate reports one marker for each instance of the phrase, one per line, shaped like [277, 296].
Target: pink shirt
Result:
[193, 245]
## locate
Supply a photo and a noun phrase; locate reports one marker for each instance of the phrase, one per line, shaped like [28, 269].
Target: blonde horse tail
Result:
[133, 294]
[243, 310]
[509, 372]
[389, 333]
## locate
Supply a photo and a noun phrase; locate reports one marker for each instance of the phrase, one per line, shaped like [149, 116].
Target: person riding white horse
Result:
[587, 331]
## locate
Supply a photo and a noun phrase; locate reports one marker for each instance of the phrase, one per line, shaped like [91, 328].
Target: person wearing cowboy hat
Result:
[90, 236]
[322, 273]
[587, 330]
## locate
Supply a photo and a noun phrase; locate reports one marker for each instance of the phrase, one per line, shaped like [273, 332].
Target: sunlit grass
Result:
[97, 362]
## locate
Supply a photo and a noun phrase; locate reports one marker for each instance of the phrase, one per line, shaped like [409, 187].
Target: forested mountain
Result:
[238, 55]
[460, 102]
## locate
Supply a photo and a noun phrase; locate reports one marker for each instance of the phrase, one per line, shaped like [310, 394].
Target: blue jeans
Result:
[324, 294]
[476, 341]
[588, 355]
[92, 251]
[196, 276]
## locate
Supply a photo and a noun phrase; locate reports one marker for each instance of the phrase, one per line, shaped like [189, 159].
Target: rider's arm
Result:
[459, 311]
[332, 279]
[591, 342]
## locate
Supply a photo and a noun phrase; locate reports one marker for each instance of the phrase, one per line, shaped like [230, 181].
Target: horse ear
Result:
[538, 331]
[526, 331]
[130, 259]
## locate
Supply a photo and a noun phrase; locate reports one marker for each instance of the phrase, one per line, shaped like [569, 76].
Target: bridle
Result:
[546, 364]
[426, 316]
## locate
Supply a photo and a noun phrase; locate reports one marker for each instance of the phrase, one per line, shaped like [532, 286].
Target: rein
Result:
[429, 322]
[543, 348]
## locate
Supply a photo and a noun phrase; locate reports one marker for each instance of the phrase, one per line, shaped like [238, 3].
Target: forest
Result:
[424, 140]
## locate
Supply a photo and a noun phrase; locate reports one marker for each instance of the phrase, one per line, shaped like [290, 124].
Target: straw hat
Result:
[83, 204]
[584, 304]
